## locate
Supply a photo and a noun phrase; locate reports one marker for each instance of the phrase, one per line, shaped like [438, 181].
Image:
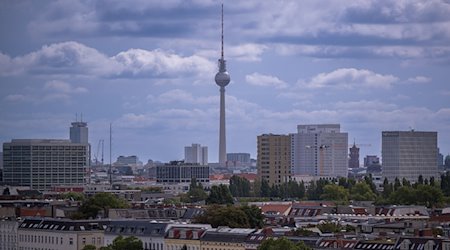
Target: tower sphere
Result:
[222, 79]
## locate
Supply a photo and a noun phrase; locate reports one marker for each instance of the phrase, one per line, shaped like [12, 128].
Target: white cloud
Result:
[17, 98]
[72, 58]
[63, 87]
[258, 79]
[349, 78]
[419, 79]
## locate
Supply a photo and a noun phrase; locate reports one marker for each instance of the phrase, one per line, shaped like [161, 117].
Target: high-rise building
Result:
[243, 158]
[353, 161]
[79, 132]
[196, 154]
[370, 160]
[42, 164]
[274, 158]
[222, 79]
[409, 154]
[180, 172]
[320, 150]
[128, 160]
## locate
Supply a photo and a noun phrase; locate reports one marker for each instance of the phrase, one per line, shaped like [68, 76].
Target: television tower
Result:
[222, 79]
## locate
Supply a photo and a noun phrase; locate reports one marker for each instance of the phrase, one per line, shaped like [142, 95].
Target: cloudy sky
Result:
[148, 66]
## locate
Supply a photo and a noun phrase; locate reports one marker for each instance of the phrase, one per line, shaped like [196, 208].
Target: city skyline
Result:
[148, 68]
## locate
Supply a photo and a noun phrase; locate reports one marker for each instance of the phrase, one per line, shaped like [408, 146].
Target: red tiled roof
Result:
[280, 208]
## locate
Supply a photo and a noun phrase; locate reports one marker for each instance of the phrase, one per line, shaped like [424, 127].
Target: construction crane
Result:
[100, 144]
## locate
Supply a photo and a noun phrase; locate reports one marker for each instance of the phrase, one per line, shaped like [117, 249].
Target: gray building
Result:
[320, 150]
[196, 154]
[45, 163]
[243, 158]
[180, 172]
[409, 154]
[79, 133]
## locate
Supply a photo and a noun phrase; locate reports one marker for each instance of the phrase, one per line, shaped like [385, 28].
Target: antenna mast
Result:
[110, 154]
[222, 32]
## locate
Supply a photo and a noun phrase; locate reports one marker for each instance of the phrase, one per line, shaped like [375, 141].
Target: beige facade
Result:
[215, 245]
[274, 158]
[35, 234]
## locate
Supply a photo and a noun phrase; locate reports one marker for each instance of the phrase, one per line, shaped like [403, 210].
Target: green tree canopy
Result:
[73, 195]
[239, 186]
[220, 195]
[282, 243]
[336, 193]
[99, 202]
[361, 191]
[231, 216]
[196, 192]
[89, 247]
[126, 243]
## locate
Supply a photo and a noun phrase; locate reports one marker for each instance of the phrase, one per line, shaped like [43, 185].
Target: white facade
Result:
[319, 150]
[196, 154]
[409, 154]
[34, 234]
[45, 163]
[8, 234]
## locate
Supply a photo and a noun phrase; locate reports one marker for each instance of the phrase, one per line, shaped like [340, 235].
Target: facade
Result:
[274, 158]
[409, 154]
[128, 160]
[224, 238]
[370, 160]
[320, 150]
[188, 236]
[79, 133]
[150, 233]
[44, 163]
[243, 158]
[353, 161]
[8, 233]
[196, 154]
[37, 233]
[180, 172]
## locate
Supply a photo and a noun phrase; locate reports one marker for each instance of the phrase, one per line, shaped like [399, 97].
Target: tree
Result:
[397, 184]
[420, 180]
[265, 188]
[196, 192]
[239, 186]
[282, 243]
[128, 243]
[362, 192]
[220, 195]
[230, 216]
[254, 216]
[336, 193]
[99, 202]
[74, 196]
[387, 188]
[89, 247]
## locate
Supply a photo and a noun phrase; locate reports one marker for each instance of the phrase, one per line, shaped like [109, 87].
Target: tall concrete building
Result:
[274, 158]
[353, 161]
[243, 158]
[42, 163]
[320, 150]
[196, 154]
[409, 154]
[79, 132]
[222, 79]
[180, 172]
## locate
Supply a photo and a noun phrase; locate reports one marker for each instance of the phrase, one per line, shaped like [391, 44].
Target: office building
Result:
[274, 158]
[128, 160]
[43, 163]
[79, 133]
[409, 154]
[370, 160]
[320, 150]
[196, 154]
[180, 172]
[242, 158]
[353, 161]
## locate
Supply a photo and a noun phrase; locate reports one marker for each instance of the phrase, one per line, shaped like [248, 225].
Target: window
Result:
[70, 241]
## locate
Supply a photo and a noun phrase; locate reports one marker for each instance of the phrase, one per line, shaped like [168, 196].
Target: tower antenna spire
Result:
[222, 32]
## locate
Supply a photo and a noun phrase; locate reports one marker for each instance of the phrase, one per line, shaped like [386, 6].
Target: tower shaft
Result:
[222, 134]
